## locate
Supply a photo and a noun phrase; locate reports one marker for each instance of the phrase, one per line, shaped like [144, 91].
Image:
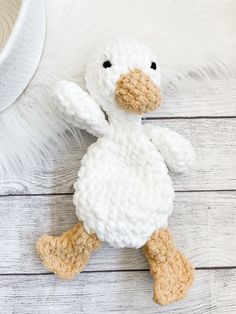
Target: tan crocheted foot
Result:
[172, 272]
[68, 254]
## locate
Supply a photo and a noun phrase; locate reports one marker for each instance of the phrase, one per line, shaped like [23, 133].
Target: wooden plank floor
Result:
[38, 201]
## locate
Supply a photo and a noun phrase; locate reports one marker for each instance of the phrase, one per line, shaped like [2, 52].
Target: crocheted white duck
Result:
[123, 194]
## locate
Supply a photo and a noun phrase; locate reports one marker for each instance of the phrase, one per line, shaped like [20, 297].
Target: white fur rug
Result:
[187, 35]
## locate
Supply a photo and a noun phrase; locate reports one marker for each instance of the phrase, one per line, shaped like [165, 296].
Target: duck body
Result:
[123, 192]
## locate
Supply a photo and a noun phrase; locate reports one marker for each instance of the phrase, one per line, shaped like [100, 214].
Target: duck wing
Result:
[78, 108]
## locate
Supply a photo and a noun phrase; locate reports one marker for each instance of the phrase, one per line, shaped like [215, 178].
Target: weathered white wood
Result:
[204, 226]
[215, 168]
[122, 292]
[200, 99]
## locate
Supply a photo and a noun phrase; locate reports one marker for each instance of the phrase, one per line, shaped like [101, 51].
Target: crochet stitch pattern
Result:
[172, 272]
[124, 194]
[137, 93]
[68, 254]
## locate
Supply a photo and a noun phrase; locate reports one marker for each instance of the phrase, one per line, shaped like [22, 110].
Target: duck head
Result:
[124, 78]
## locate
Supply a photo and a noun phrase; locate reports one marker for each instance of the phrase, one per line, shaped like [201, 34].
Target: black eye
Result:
[154, 66]
[107, 64]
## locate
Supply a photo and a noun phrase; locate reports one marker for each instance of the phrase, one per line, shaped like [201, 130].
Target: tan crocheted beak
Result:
[136, 92]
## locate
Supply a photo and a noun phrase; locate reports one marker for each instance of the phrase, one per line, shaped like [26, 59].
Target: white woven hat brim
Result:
[21, 55]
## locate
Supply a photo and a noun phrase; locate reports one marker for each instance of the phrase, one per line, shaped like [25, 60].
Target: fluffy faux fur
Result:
[189, 36]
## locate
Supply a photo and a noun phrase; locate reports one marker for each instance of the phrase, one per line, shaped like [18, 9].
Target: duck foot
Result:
[172, 272]
[68, 254]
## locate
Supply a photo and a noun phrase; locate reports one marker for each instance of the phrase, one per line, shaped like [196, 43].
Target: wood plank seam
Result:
[115, 271]
[189, 118]
[71, 194]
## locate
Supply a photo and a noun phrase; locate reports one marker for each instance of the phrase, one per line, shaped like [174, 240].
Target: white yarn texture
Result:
[123, 192]
[187, 35]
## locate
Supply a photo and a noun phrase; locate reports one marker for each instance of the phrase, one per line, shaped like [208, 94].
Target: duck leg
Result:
[172, 272]
[68, 254]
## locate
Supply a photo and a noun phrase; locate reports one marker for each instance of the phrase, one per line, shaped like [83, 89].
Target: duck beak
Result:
[137, 93]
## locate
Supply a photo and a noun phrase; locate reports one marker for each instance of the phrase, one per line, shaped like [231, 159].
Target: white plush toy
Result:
[123, 194]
